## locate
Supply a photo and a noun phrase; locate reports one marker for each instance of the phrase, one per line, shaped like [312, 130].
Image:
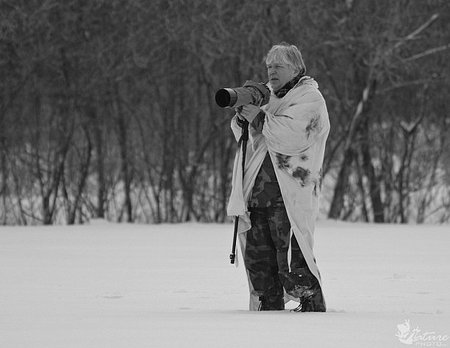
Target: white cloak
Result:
[294, 133]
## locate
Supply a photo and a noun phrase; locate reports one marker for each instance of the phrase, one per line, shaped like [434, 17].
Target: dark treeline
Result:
[107, 106]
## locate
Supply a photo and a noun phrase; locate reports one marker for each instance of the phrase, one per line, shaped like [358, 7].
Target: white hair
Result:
[287, 54]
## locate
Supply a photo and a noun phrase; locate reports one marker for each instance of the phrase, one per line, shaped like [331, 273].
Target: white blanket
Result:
[295, 131]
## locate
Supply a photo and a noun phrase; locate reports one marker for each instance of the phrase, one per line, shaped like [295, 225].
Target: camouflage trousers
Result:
[266, 260]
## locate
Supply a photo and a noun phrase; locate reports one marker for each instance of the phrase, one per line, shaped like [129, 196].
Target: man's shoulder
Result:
[308, 92]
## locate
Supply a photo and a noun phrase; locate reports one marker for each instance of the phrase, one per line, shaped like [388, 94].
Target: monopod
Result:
[242, 146]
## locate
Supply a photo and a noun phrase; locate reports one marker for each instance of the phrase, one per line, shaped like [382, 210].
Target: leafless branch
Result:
[427, 52]
[416, 32]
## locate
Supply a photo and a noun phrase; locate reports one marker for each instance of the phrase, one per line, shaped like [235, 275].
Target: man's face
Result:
[279, 74]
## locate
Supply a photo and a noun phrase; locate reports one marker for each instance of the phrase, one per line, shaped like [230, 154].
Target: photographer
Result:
[277, 200]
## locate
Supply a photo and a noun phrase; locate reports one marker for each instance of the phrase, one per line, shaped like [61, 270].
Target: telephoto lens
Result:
[251, 93]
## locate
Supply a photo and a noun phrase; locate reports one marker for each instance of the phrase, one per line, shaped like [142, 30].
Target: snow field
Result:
[120, 285]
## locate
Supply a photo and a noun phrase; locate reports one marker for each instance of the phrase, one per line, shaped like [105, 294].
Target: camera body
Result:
[254, 93]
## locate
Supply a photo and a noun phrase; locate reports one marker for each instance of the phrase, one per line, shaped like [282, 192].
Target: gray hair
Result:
[287, 54]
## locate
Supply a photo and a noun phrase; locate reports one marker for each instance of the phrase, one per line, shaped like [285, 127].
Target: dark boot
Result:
[314, 303]
[302, 284]
[271, 303]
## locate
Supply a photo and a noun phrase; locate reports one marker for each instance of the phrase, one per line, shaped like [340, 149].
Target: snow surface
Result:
[121, 285]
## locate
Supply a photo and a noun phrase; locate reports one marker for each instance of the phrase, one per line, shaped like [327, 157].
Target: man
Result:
[277, 200]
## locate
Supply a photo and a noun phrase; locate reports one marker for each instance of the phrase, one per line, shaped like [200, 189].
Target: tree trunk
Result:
[342, 185]
[122, 134]
[369, 170]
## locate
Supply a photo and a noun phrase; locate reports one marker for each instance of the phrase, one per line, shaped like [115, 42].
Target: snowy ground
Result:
[111, 285]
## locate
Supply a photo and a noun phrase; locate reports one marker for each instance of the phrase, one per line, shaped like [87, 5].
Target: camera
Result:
[255, 93]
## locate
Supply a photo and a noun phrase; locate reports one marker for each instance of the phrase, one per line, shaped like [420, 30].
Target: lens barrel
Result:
[226, 97]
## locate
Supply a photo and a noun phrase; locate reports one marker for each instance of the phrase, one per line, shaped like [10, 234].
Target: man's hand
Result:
[248, 112]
